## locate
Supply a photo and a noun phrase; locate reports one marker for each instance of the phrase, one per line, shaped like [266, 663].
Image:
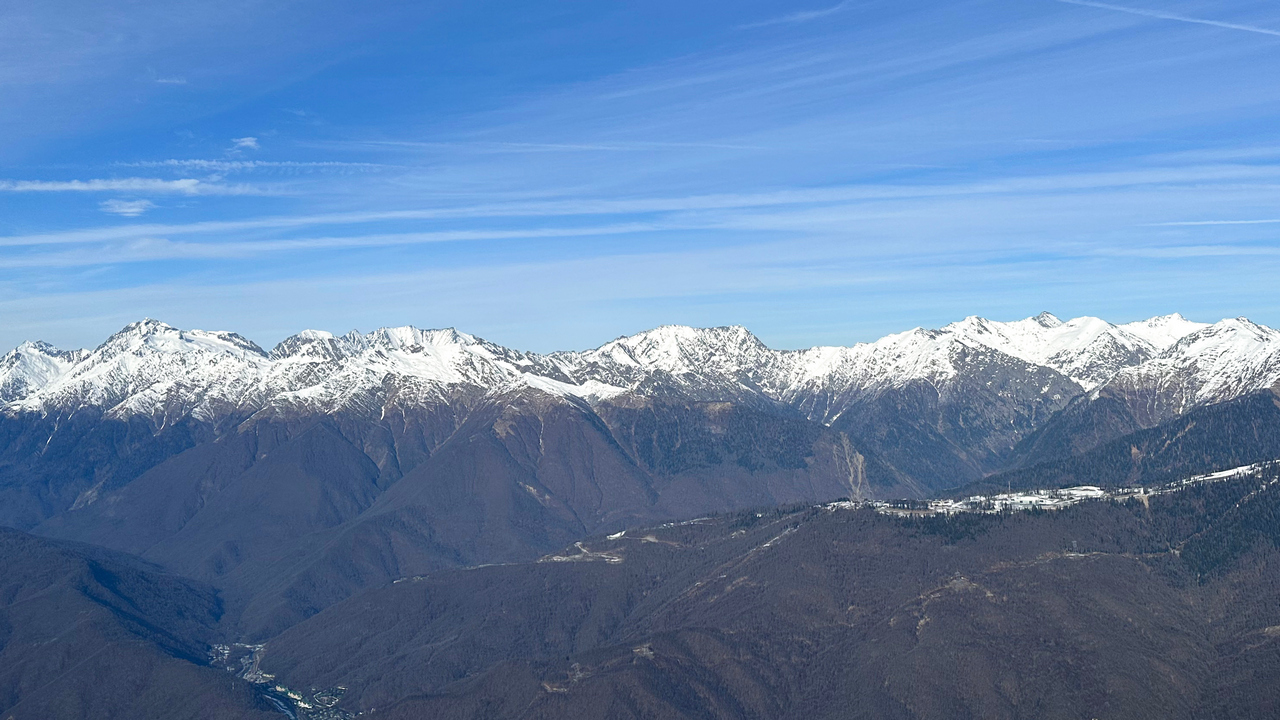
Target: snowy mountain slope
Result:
[731, 361]
[724, 363]
[823, 381]
[150, 368]
[31, 366]
[315, 371]
[1085, 349]
[153, 369]
[826, 381]
[1213, 364]
[1216, 363]
[1163, 331]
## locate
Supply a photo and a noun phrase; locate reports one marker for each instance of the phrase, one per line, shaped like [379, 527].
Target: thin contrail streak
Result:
[1170, 16]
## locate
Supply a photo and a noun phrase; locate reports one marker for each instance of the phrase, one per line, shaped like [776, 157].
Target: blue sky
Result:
[554, 174]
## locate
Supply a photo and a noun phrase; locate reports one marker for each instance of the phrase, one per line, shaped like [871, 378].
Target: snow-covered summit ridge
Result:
[1215, 363]
[149, 366]
[152, 368]
[720, 360]
[1086, 349]
[1165, 330]
[33, 365]
[161, 337]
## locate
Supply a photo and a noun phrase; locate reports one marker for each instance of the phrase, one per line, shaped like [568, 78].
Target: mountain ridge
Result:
[153, 368]
[351, 459]
[292, 478]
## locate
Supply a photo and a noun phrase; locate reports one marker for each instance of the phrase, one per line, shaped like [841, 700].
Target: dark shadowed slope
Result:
[1102, 610]
[87, 634]
[288, 518]
[1216, 437]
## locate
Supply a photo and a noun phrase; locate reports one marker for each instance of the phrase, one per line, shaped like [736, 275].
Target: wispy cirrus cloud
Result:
[694, 286]
[1161, 15]
[1190, 251]
[152, 248]
[538, 147]
[184, 186]
[905, 138]
[799, 17]
[1210, 223]
[228, 166]
[1159, 178]
[126, 208]
[244, 143]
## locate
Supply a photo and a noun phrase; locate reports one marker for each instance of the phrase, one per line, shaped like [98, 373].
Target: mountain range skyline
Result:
[557, 174]
[316, 369]
[314, 332]
[639, 360]
[285, 503]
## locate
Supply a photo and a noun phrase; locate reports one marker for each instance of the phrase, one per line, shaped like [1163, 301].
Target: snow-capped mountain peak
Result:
[724, 362]
[1232, 340]
[31, 366]
[312, 345]
[1047, 319]
[1215, 363]
[1164, 330]
[672, 347]
[151, 368]
[891, 361]
[155, 336]
[1086, 349]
